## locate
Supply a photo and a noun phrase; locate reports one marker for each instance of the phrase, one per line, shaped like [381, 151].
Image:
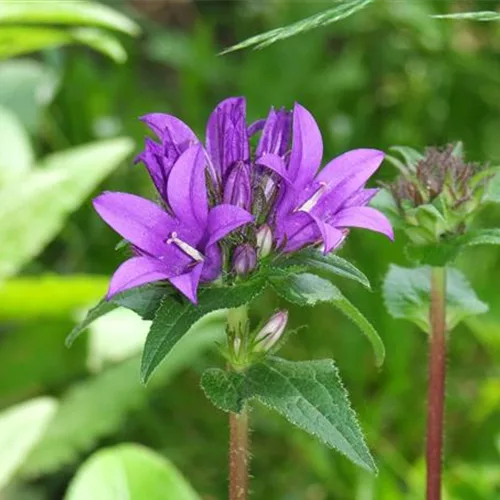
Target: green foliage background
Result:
[388, 75]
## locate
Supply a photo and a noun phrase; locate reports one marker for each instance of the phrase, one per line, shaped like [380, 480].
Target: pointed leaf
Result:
[129, 471]
[224, 389]
[485, 15]
[329, 265]
[406, 295]
[174, 318]
[309, 289]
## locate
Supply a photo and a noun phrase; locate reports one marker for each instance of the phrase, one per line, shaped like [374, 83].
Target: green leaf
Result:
[407, 291]
[100, 405]
[492, 194]
[337, 13]
[410, 156]
[329, 265]
[309, 290]
[309, 394]
[100, 41]
[21, 426]
[67, 294]
[17, 155]
[129, 471]
[81, 13]
[224, 389]
[486, 15]
[449, 249]
[33, 212]
[174, 318]
[143, 300]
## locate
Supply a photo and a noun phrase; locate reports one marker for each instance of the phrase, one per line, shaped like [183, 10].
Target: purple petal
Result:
[187, 283]
[227, 135]
[364, 217]
[139, 221]
[187, 193]
[157, 164]
[307, 147]
[274, 163]
[276, 135]
[238, 187]
[360, 198]
[224, 219]
[138, 271]
[296, 231]
[332, 237]
[170, 129]
[255, 127]
[212, 265]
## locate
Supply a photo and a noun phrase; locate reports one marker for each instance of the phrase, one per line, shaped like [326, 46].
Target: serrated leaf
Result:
[21, 426]
[224, 389]
[309, 394]
[407, 291]
[98, 406]
[174, 318]
[486, 15]
[33, 211]
[341, 11]
[81, 13]
[309, 290]
[448, 250]
[129, 471]
[143, 300]
[329, 265]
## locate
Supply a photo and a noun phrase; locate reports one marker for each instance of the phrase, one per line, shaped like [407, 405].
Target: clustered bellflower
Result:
[222, 207]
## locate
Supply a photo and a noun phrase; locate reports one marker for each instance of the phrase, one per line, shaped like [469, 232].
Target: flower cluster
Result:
[223, 206]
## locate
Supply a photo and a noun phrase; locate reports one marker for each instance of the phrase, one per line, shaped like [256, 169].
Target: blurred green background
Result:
[388, 75]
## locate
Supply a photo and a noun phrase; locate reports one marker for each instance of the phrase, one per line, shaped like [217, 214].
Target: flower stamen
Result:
[308, 205]
[185, 247]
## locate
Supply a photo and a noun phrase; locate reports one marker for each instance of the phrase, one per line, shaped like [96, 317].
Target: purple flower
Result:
[244, 259]
[179, 245]
[319, 206]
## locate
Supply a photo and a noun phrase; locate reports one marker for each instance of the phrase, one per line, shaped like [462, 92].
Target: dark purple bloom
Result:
[180, 246]
[238, 187]
[318, 206]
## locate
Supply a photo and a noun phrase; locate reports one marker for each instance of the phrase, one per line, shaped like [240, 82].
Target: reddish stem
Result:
[238, 456]
[437, 374]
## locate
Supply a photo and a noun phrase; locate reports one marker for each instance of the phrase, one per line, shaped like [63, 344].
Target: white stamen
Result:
[308, 205]
[185, 247]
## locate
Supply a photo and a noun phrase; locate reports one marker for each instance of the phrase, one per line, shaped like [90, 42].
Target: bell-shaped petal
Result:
[227, 136]
[187, 193]
[170, 130]
[276, 134]
[157, 164]
[276, 164]
[212, 265]
[364, 217]
[360, 198]
[187, 283]
[139, 221]
[296, 231]
[238, 187]
[331, 236]
[307, 147]
[223, 219]
[138, 271]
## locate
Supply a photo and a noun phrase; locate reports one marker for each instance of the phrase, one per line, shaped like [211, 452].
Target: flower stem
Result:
[237, 322]
[437, 374]
[238, 456]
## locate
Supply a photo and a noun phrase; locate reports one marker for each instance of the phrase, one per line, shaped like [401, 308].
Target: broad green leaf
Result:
[407, 291]
[33, 212]
[21, 426]
[308, 290]
[16, 153]
[341, 11]
[448, 250]
[18, 40]
[81, 13]
[67, 295]
[174, 318]
[99, 406]
[27, 86]
[143, 300]
[309, 394]
[486, 15]
[329, 265]
[129, 471]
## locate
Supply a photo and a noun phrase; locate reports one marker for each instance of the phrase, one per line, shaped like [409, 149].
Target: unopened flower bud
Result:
[272, 331]
[237, 346]
[244, 259]
[264, 241]
[238, 187]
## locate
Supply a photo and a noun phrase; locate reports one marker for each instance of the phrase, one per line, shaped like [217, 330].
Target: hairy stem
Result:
[237, 322]
[238, 456]
[437, 374]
